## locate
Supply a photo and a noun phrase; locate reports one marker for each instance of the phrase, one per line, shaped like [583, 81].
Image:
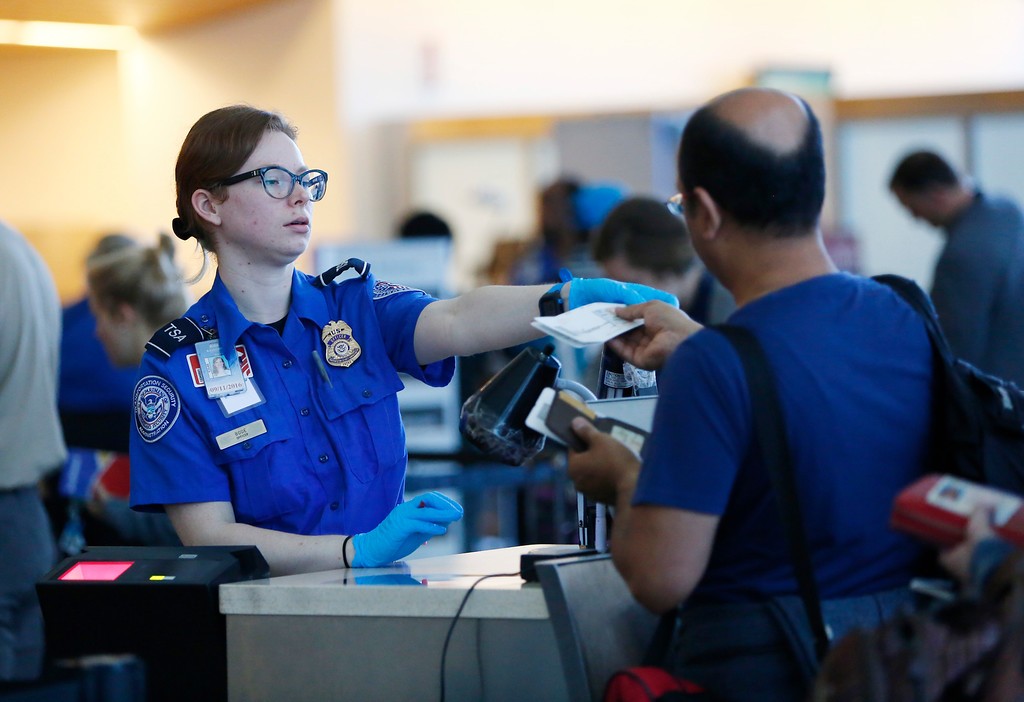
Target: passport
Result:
[936, 508]
[565, 407]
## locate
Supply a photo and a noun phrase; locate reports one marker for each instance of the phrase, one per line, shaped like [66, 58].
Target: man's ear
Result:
[206, 206]
[706, 218]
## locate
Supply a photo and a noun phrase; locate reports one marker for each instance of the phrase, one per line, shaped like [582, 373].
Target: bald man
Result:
[697, 525]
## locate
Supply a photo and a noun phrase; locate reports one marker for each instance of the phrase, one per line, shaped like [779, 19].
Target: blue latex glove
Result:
[583, 291]
[405, 529]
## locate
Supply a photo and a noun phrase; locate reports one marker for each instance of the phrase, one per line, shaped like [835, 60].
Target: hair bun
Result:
[180, 229]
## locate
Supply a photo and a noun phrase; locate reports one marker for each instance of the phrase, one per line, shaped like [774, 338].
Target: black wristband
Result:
[551, 302]
[344, 550]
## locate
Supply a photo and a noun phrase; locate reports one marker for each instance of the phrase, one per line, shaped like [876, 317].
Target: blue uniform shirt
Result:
[297, 452]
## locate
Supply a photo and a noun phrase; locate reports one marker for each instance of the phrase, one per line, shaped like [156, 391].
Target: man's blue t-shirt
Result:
[853, 367]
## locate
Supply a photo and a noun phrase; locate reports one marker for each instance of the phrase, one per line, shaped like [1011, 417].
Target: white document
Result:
[590, 324]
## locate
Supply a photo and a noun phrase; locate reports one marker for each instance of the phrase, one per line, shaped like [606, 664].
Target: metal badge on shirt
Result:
[340, 347]
[221, 378]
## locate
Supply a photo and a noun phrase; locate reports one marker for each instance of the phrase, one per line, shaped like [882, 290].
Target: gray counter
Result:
[378, 634]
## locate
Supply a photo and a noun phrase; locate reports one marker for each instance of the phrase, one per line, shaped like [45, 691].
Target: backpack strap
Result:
[181, 332]
[770, 435]
[958, 415]
[914, 296]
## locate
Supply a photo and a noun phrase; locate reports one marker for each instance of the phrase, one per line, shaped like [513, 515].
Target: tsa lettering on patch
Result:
[220, 377]
[196, 371]
[156, 407]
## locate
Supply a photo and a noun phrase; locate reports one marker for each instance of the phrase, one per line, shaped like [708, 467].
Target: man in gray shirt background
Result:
[31, 446]
[978, 287]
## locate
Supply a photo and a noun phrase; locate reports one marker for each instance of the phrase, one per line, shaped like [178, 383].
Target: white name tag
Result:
[237, 436]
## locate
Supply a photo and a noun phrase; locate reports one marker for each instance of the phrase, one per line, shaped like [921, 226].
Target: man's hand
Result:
[649, 346]
[606, 470]
[957, 559]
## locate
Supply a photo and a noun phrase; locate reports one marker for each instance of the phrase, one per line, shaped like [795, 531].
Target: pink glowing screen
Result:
[96, 570]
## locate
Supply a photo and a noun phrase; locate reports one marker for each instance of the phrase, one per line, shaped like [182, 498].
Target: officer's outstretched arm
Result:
[499, 316]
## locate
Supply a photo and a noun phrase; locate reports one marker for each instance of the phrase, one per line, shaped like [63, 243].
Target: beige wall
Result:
[341, 69]
[98, 132]
[64, 160]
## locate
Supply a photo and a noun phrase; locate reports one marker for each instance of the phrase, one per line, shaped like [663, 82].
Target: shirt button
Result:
[247, 445]
[367, 392]
[205, 318]
[334, 506]
[323, 458]
[304, 411]
[287, 364]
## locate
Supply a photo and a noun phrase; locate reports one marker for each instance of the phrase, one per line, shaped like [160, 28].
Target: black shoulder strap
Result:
[657, 649]
[181, 332]
[959, 419]
[770, 434]
[914, 296]
[325, 278]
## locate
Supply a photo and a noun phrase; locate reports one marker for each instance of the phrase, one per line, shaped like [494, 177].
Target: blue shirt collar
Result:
[307, 302]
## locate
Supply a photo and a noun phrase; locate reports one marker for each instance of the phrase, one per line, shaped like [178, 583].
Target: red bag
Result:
[648, 683]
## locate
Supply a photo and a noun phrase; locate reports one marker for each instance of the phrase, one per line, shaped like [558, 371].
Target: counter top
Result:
[425, 587]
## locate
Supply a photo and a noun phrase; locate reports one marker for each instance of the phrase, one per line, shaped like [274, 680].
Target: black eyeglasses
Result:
[280, 182]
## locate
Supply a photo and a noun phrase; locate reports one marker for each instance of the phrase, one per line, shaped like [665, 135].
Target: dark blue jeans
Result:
[27, 551]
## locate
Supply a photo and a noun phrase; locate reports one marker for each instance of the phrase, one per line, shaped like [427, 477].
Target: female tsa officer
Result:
[299, 448]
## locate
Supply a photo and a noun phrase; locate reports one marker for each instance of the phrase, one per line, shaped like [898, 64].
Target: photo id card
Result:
[221, 378]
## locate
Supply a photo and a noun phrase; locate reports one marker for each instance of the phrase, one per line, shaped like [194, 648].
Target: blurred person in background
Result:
[133, 291]
[422, 223]
[95, 402]
[31, 447]
[94, 397]
[978, 286]
[643, 241]
[568, 212]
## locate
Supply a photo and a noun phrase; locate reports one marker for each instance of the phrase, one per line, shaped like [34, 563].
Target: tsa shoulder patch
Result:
[157, 407]
[382, 288]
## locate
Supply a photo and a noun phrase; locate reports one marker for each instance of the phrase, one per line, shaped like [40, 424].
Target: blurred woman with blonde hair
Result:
[133, 291]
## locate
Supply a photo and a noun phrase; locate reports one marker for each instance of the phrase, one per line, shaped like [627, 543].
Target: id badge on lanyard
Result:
[221, 377]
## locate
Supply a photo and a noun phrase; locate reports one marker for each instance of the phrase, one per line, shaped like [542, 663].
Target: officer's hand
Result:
[649, 346]
[405, 529]
[583, 291]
